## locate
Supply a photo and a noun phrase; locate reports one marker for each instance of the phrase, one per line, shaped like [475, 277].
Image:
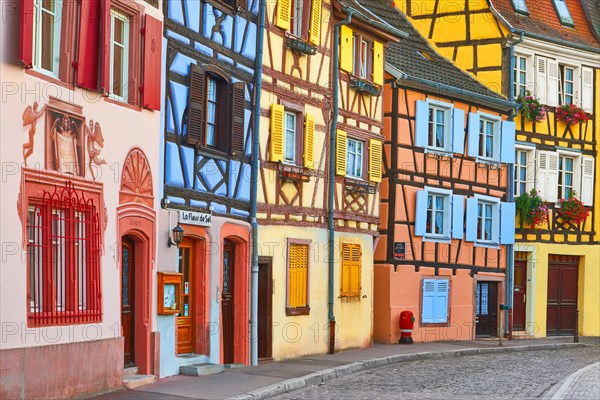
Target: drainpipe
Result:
[254, 184]
[332, 147]
[510, 257]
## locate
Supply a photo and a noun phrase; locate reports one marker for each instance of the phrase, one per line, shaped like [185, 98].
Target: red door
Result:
[563, 273]
[520, 295]
[265, 313]
[127, 299]
[227, 304]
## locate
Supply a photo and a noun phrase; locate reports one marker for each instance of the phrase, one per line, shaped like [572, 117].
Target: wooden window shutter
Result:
[89, 36]
[507, 223]
[421, 123]
[277, 116]
[458, 216]
[428, 301]
[471, 227]
[553, 82]
[587, 89]
[507, 142]
[315, 22]
[587, 180]
[458, 131]
[541, 81]
[105, 47]
[309, 140]
[340, 153]
[421, 213]
[297, 275]
[242, 5]
[473, 135]
[238, 110]
[346, 49]
[378, 63]
[552, 179]
[440, 314]
[375, 160]
[283, 15]
[355, 269]
[195, 128]
[152, 62]
[345, 273]
[26, 32]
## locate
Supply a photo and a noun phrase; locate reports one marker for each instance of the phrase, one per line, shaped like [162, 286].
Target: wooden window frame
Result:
[495, 121]
[364, 160]
[528, 162]
[447, 213]
[562, 84]
[300, 117]
[305, 23]
[222, 137]
[519, 86]
[126, 19]
[495, 239]
[562, 187]
[357, 39]
[291, 311]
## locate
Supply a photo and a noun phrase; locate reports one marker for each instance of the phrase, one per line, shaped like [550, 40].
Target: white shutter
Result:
[552, 82]
[587, 180]
[587, 89]
[552, 180]
[542, 173]
[540, 79]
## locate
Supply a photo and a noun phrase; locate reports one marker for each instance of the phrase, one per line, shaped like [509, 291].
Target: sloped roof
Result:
[543, 22]
[414, 56]
[592, 10]
[369, 17]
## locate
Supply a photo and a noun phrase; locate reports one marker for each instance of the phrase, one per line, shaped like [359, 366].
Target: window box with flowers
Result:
[571, 210]
[531, 209]
[571, 114]
[531, 108]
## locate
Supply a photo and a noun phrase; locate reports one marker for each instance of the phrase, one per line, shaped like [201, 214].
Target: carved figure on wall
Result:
[30, 117]
[93, 135]
[64, 135]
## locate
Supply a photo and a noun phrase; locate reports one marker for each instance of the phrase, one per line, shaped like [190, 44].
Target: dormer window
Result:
[563, 13]
[520, 7]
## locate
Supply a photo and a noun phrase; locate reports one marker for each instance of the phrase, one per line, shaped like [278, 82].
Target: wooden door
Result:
[186, 319]
[127, 299]
[563, 273]
[265, 311]
[227, 303]
[486, 309]
[520, 295]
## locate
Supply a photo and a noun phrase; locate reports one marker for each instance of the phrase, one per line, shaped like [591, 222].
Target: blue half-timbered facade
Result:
[210, 50]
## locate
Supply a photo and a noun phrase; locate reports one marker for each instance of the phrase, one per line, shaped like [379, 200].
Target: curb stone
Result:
[325, 375]
[558, 391]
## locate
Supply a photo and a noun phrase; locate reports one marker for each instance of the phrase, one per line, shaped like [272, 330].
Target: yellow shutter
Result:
[346, 262]
[340, 153]
[277, 112]
[355, 267]
[378, 63]
[315, 22]
[309, 141]
[297, 275]
[375, 165]
[351, 270]
[284, 11]
[346, 49]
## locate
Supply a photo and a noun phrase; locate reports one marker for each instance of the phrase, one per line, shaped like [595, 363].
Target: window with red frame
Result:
[63, 248]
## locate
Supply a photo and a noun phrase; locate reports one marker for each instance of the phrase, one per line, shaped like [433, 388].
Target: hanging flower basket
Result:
[531, 108]
[572, 210]
[531, 209]
[571, 114]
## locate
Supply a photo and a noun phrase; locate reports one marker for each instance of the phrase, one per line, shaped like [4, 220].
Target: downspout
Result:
[510, 257]
[332, 148]
[254, 185]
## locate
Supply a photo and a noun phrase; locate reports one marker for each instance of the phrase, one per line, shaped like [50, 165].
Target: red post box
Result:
[407, 323]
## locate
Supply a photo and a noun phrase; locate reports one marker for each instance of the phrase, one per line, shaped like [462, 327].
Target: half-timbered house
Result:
[318, 303]
[80, 155]
[546, 48]
[210, 51]
[446, 218]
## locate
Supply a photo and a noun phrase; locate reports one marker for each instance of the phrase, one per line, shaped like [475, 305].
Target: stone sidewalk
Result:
[581, 385]
[273, 378]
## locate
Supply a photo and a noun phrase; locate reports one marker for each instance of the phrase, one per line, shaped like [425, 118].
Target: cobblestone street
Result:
[521, 375]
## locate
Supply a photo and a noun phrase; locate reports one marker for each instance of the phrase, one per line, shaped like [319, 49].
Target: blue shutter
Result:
[441, 301]
[458, 214]
[507, 223]
[421, 213]
[458, 131]
[473, 132]
[471, 229]
[421, 123]
[428, 307]
[507, 146]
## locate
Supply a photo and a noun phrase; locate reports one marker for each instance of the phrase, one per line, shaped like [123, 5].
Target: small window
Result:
[363, 57]
[351, 270]
[565, 176]
[434, 304]
[297, 28]
[297, 276]
[211, 111]
[47, 36]
[520, 76]
[486, 221]
[438, 215]
[523, 166]
[487, 138]
[354, 157]
[119, 55]
[520, 7]
[289, 153]
[563, 13]
[566, 85]
[438, 128]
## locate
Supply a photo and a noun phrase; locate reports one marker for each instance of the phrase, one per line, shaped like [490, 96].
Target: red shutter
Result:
[152, 63]
[238, 108]
[89, 36]
[27, 22]
[105, 47]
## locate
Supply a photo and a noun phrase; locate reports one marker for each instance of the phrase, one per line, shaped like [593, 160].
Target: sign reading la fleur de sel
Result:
[195, 218]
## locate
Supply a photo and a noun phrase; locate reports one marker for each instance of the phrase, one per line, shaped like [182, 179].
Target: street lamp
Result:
[177, 236]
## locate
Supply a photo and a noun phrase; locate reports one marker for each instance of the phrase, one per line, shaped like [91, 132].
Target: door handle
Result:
[218, 294]
[524, 297]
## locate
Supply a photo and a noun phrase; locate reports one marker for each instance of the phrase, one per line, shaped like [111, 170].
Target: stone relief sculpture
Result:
[30, 117]
[64, 135]
[93, 136]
